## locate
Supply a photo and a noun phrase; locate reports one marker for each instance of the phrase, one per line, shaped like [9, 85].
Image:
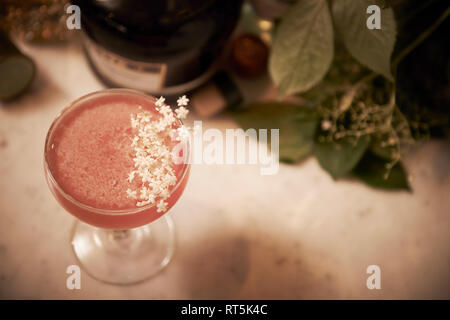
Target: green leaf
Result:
[372, 170]
[339, 159]
[297, 126]
[303, 47]
[373, 48]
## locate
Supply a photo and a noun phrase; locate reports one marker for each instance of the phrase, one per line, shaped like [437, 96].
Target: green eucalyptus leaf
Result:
[372, 48]
[339, 159]
[297, 126]
[372, 170]
[303, 47]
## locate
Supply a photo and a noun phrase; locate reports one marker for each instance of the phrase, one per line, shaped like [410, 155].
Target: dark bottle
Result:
[159, 46]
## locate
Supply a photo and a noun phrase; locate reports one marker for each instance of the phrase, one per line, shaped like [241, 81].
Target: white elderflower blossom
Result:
[134, 142]
[151, 154]
[165, 110]
[146, 117]
[131, 176]
[134, 122]
[161, 206]
[164, 194]
[181, 112]
[182, 134]
[171, 179]
[144, 193]
[131, 194]
[160, 101]
[182, 101]
[142, 203]
[160, 125]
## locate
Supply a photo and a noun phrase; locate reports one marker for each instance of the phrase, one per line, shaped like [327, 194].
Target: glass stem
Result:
[118, 235]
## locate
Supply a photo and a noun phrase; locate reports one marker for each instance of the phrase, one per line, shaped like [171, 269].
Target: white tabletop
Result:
[297, 234]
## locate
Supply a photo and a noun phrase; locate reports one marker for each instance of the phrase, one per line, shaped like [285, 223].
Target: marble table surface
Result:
[240, 235]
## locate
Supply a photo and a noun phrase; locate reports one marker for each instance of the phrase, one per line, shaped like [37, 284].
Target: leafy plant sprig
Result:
[349, 118]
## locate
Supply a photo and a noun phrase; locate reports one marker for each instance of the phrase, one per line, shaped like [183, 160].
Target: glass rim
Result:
[80, 204]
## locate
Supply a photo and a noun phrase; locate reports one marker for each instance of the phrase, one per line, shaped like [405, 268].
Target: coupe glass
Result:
[117, 246]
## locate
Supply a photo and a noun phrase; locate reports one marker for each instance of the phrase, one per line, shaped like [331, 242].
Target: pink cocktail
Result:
[106, 166]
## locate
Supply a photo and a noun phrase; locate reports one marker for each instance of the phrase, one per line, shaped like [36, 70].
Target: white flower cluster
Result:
[152, 156]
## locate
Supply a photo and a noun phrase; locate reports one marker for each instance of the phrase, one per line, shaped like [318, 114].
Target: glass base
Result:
[124, 256]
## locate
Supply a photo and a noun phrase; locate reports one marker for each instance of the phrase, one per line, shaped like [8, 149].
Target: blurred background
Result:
[363, 114]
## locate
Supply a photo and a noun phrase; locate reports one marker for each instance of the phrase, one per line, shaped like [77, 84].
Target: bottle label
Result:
[144, 76]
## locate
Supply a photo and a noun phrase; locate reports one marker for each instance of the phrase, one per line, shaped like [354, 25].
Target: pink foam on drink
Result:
[91, 154]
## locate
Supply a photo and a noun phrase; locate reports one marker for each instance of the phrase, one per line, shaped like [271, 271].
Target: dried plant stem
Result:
[420, 38]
